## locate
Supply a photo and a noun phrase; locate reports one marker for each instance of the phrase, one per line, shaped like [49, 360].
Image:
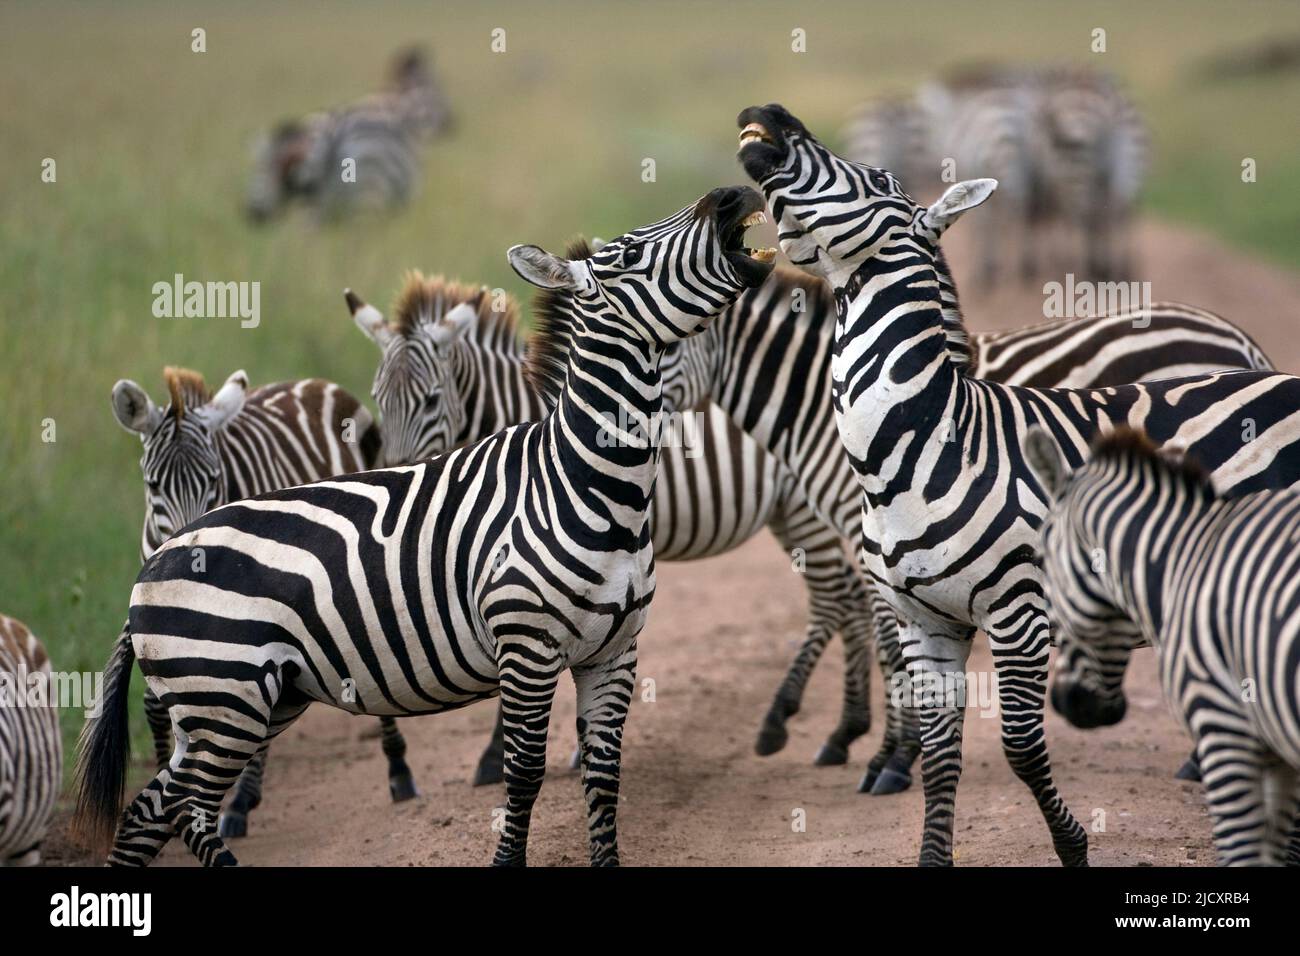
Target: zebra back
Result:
[31, 747]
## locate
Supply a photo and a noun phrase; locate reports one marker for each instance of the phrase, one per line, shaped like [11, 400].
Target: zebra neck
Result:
[490, 381]
[1146, 543]
[954, 325]
[604, 428]
[893, 378]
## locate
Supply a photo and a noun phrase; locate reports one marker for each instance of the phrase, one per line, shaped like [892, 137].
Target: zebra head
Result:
[664, 282]
[422, 410]
[1094, 637]
[181, 461]
[833, 216]
[278, 160]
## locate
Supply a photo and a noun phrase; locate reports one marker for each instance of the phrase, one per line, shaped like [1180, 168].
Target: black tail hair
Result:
[103, 752]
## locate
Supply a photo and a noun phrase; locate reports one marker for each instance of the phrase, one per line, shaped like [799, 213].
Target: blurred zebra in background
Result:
[1068, 148]
[203, 450]
[1229, 666]
[366, 155]
[31, 748]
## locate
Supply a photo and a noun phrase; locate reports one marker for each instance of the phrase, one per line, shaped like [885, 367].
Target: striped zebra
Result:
[31, 747]
[423, 588]
[950, 510]
[1140, 549]
[203, 450]
[766, 363]
[452, 371]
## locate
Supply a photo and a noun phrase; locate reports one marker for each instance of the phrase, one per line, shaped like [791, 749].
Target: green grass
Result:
[152, 142]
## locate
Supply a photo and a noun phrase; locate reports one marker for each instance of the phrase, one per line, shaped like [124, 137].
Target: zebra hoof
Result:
[491, 769]
[868, 780]
[1190, 770]
[771, 739]
[890, 781]
[232, 826]
[402, 788]
[831, 755]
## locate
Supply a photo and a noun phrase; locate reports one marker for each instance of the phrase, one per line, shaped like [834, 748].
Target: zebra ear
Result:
[229, 399]
[133, 408]
[958, 199]
[452, 326]
[368, 319]
[539, 267]
[1045, 460]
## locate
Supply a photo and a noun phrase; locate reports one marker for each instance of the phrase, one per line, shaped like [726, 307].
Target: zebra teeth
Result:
[763, 255]
[754, 219]
[755, 133]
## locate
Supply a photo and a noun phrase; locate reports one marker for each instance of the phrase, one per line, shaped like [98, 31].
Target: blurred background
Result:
[154, 148]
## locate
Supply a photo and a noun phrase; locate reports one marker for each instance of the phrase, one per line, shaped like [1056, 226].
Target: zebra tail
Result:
[102, 754]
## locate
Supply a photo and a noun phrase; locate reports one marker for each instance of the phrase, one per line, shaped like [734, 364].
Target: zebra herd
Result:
[499, 523]
[1067, 146]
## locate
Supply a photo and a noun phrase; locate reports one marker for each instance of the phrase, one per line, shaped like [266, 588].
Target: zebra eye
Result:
[630, 253]
[880, 181]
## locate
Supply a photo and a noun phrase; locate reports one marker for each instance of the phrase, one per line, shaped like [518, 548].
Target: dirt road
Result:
[720, 635]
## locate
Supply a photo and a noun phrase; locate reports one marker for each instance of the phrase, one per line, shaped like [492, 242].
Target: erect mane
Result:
[424, 300]
[1131, 444]
[186, 388]
[547, 362]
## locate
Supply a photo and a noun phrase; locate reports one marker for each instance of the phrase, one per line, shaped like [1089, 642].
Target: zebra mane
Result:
[954, 327]
[547, 361]
[187, 390]
[784, 280]
[424, 300]
[1131, 444]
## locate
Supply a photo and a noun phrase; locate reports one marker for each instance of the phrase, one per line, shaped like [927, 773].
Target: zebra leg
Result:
[491, 765]
[401, 785]
[890, 770]
[148, 822]
[160, 726]
[528, 680]
[1232, 769]
[1020, 660]
[933, 663]
[837, 600]
[1280, 798]
[233, 822]
[604, 695]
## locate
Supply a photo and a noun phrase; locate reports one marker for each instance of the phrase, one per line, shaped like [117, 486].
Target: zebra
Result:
[1065, 144]
[766, 363]
[31, 747]
[950, 511]
[202, 450]
[423, 588]
[452, 371]
[1138, 548]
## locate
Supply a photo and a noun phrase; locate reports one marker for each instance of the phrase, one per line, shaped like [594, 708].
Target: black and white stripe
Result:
[1138, 549]
[950, 510]
[31, 748]
[203, 450]
[422, 588]
[452, 372]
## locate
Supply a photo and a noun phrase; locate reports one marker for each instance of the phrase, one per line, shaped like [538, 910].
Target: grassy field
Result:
[152, 143]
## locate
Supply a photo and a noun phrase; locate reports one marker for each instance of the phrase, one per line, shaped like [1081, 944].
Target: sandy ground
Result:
[720, 635]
